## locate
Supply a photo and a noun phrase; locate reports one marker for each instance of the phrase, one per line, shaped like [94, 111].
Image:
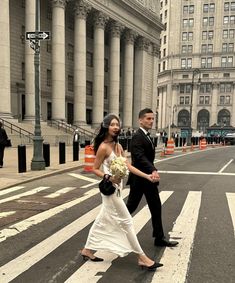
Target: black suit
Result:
[3, 139]
[142, 155]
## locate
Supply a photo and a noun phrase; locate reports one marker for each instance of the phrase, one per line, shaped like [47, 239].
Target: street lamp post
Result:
[195, 72]
[38, 162]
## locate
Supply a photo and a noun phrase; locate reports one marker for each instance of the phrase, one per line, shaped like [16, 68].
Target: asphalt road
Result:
[43, 224]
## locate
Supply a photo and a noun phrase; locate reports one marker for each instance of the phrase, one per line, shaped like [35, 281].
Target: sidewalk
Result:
[9, 175]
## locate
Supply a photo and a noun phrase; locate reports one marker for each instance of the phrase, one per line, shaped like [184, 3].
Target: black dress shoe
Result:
[151, 267]
[165, 243]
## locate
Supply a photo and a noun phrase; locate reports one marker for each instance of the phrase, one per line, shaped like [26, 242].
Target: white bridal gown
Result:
[113, 229]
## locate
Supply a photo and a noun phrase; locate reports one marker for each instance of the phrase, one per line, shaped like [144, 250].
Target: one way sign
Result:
[40, 35]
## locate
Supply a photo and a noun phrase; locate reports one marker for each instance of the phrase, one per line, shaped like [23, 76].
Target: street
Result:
[44, 224]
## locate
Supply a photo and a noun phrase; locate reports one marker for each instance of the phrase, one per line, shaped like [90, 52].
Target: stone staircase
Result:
[52, 132]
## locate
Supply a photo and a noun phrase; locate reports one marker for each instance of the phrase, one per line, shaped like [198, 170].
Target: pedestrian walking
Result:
[142, 156]
[76, 136]
[113, 229]
[3, 143]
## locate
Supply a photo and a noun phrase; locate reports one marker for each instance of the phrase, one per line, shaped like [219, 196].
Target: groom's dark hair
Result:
[144, 111]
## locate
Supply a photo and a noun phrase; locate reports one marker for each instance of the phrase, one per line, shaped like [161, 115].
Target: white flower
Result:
[118, 167]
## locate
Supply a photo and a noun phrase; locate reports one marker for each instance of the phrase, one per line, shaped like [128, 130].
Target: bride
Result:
[113, 229]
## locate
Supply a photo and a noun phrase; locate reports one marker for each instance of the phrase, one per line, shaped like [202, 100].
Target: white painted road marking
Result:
[231, 204]
[195, 173]
[82, 177]
[176, 260]
[225, 166]
[7, 213]
[38, 218]
[28, 193]
[87, 273]
[10, 190]
[60, 192]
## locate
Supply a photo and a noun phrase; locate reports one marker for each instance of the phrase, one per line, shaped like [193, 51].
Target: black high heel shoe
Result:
[151, 267]
[96, 259]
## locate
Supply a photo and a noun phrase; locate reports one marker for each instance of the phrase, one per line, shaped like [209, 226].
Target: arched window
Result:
[223, 118]
[183, 118]
[203, 120]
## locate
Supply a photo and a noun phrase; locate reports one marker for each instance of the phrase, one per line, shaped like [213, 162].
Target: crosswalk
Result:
[175, 260]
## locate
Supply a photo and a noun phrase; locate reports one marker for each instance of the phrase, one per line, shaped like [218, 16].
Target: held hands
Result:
[154, 177]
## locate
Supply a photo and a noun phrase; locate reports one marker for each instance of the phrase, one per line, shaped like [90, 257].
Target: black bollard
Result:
[21, 158]
[46, 154]
[61, 152]
[75, 151]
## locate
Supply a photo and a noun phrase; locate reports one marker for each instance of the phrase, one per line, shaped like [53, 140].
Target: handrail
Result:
[17, 129]
[68, 128]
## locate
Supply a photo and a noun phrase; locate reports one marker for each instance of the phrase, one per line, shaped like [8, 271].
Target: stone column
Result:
[81, 11]
[160, 108]
[214, 104]
[142, 48]
[114, 75]
[233, 107]
[164, 106]
[174, 104]
[58, 59]
[5, 80]
[129, 37]
[155, 54]
[29, 63]
[98, 76]
[196, 87]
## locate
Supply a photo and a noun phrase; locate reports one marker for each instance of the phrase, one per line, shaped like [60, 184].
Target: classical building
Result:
[196, 69]
[102, 57]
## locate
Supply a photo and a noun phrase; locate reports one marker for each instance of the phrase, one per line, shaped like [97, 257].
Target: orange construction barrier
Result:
[202, 144]
[170, 146]
[184, 148]
[89, 158]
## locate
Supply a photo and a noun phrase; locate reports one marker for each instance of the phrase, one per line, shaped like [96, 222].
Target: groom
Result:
[142, 155]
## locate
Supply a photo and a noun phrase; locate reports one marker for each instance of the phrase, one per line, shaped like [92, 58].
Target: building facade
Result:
[102, 57]
[196, 79]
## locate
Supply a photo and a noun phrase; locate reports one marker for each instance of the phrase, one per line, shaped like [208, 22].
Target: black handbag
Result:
[106, 186]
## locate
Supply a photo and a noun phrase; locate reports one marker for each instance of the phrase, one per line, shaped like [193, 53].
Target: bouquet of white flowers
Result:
[118, 167]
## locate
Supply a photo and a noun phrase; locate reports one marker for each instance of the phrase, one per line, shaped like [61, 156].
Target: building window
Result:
[70, 83]
[105, 92]
[225, 99]
[48, 46]
[210, 34]
[205, 8]
[207, 48]
[89, 59]
[227, 61]
[212, 7]
[232, 6]
[205, 88]
[226, 87]
[186, 63]
[231, 33]
[48, 77]
[106, 65]
[226, 20]
[70, 53]
[206, 62]
[185, 88]
[89, 87]
[23, 71]
[49, 11]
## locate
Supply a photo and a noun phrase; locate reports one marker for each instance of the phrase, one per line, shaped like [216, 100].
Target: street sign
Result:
[40, 35]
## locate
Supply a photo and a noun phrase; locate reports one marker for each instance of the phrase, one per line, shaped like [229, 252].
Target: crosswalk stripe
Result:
[23, 262]
[176, 260]
[38, 218]
[82, 177]
[196, 173]
[89, 185]
[87, 273]
[231, 204]
[10, 190]
[6, 213]
[60, 192]
[28, 193]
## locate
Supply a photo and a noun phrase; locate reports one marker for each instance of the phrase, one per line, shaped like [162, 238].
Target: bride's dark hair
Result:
[104, 128]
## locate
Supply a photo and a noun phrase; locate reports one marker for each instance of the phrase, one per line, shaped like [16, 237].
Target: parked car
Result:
[229, 138]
